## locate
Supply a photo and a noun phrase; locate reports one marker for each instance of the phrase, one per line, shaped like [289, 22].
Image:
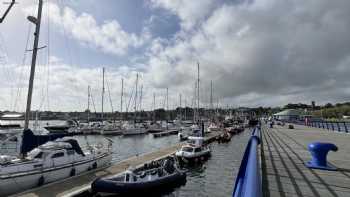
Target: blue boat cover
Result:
[31, 141]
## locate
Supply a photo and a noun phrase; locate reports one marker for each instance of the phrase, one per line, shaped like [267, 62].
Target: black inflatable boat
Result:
[142, 182]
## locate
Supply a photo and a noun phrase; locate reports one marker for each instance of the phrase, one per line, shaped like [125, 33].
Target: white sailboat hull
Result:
[15, 184]
[134, 131]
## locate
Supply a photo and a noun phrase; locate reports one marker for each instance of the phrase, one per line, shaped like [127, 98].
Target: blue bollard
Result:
[319, 151]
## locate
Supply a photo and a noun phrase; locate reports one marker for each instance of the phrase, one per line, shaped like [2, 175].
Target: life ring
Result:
[72, 172]
[41, 181]
[94, 166]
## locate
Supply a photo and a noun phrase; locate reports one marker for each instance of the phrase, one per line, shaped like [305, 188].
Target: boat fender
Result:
[41, 181]
[72, 172]
[94, 166]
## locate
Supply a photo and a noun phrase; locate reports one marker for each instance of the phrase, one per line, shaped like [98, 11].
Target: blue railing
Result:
[248, 181]
[329, 125]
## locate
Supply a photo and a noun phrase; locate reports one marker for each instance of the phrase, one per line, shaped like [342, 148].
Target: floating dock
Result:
[166, 133]
[78, 184]
[283, 155]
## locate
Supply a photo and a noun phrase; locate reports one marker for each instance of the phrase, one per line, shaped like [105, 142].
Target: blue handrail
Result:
[248, 181]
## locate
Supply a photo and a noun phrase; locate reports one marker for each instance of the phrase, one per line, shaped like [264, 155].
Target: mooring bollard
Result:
[319, 151]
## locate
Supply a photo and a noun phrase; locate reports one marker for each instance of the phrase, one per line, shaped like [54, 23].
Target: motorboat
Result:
[224, 137]
[194, 150]
[68, 127]
[182, 136]
[212, 128]
[91, 128]
[111, 129]
[154, 127]
[134, 129]
[142, 182]
[49, 162]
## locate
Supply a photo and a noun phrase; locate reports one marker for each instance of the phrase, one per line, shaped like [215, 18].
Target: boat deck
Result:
[81, 183]
[283, 154]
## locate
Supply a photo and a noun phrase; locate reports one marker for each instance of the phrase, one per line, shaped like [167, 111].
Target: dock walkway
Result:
[283, 154]
[76, 184]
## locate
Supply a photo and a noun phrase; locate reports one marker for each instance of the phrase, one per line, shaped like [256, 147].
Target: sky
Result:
[255, 52]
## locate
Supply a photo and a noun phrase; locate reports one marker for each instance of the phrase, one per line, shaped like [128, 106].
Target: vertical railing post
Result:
[327, 125]
[332, 126]
[322, 124]
[346, 127]
[338, 126]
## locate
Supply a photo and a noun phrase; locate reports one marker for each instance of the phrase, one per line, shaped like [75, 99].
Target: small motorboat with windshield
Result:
[194, 150]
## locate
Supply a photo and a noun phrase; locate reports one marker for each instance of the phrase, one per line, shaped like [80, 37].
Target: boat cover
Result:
[31, 141]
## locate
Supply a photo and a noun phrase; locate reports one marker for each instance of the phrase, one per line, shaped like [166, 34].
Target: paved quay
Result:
[77, 184]
[283, 154]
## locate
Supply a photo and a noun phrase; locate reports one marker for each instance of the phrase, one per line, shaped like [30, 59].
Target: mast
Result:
[88, 115]
[211, 99]
[7, 11]
[167, 107]
[185, 110]
[103, 92]
[198, 91]
[135, 104]
[194, 102]
[141, 97]
[37, 22]
[121, 98]
[154, 107]
[211, 94]
[180, 107]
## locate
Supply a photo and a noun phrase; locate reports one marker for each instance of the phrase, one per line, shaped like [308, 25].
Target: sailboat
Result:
[212, 125]
[46, 158]
[108, 128]
[135, 128]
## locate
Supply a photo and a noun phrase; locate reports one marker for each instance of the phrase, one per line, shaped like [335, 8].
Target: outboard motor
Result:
[169, 166]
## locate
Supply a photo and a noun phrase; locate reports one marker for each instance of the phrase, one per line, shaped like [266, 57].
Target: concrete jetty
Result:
[80, 183]
[284, 153]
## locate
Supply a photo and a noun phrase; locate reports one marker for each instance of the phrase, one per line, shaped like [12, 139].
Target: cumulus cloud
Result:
[268, 50]
[108, 37]
[262, 52]
[66, 87]
[190, 12]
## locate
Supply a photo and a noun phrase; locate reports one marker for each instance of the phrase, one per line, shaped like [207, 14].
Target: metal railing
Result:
[248, 181]
[329, 125]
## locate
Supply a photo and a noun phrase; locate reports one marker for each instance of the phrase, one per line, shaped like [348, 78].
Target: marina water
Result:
[213, 178]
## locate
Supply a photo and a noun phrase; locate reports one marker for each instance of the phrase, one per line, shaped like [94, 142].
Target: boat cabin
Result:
[191, 149]
[196, 141]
